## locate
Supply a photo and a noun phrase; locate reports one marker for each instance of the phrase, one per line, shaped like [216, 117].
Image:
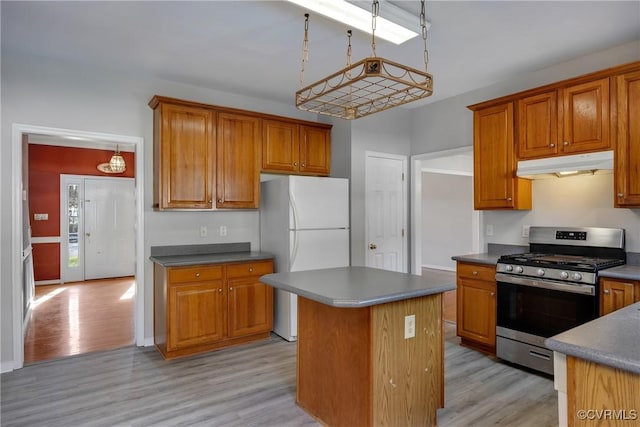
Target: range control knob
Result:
[540, 272]
[577, 276]
[508, 267]
[519, 269]
[564, 275]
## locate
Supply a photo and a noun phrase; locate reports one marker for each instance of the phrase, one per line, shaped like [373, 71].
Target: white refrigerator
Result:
[304, 222]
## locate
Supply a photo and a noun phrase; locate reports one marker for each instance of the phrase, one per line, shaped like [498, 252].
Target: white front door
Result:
[385, 193]
[97, 228]
[109, 228]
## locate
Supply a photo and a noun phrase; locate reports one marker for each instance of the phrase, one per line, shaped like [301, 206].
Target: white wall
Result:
[386, 132]
[449, 124]
[580, 201]
[61, 95]
[447, 219]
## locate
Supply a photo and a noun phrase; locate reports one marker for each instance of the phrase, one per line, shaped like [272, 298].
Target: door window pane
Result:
[72, 208]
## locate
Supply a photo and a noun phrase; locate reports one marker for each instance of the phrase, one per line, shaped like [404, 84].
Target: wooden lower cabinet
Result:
[205, 307]
[615, 294]
[476, 306]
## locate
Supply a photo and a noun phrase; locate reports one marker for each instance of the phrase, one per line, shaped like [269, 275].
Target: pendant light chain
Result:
[423, 26]
[375, 9]
[305, 48]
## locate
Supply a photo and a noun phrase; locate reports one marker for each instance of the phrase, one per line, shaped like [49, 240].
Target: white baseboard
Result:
[6, 366]
[48, 282]
[149, 342]
[438, 267]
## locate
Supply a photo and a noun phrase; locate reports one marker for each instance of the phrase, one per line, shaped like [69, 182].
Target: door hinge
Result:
[403, 176]
[403, 232]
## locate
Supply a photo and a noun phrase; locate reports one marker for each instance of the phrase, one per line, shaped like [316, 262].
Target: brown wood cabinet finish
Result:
[184, 157]
[476, 306]
[627, 132]
[238, 161]
[615, 294]
[368, 374]
[296, 148]
[592, 386]
[538, 125]
[205, 307]
[585, 117]
[495, 183]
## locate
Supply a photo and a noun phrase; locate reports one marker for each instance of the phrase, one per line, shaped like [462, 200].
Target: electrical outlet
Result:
[203, 231]
[223, 230]
[40, 216]
[489, 230]
[525, 230]
[409, 326]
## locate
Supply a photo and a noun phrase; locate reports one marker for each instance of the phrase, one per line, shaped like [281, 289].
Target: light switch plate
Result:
[489, 230]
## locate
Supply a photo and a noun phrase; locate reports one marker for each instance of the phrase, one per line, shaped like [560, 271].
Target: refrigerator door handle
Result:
[294, 216]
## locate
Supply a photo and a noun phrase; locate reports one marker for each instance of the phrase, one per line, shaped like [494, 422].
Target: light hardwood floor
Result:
[81, 317]
[248, 385]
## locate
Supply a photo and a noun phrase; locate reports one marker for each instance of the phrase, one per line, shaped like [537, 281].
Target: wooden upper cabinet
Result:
[315, 150]
[238, 161]
[585, 117]
[538, 125]
[289, 147]
[495, 183]
[184, 157]
[627, 131]
[569, 120]
[280, 147]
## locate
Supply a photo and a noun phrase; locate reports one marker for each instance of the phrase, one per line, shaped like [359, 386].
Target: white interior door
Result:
[385, 193]
[109, 214]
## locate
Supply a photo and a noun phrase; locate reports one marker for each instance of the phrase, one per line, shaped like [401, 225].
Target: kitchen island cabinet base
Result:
[355, 366]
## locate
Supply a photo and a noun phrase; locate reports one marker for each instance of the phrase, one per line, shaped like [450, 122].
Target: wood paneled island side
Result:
[370, 345]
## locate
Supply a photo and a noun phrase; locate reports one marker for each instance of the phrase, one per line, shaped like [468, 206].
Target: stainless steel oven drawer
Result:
[538, 358]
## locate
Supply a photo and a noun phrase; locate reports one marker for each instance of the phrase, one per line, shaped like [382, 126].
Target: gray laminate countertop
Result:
[214, 258]
[625, 272]
[359, 286]
[612, 340]
[483, 258]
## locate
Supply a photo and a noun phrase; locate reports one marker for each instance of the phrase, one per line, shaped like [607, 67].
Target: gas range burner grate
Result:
[561, 261]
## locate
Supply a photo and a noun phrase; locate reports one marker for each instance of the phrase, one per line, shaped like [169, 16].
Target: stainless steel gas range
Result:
[551, 289]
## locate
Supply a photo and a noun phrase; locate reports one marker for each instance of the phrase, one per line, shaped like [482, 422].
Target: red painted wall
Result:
[46, 164]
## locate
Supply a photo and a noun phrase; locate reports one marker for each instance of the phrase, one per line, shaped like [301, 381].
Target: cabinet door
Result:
[184, 157]
[495, 183]
[250, 307]
[476, 311]
[280, 146]
[585, 115]
[315, 150]
[538, 125]
[615, 295]
[627, 156]
[238, 172]
[196, 313]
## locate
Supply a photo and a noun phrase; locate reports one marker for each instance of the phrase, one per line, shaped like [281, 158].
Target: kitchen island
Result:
[597, 370]
[370, 345]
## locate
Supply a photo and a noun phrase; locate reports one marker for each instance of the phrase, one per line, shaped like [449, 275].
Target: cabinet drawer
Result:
[477, 271]
[195, 274]
[250, 269]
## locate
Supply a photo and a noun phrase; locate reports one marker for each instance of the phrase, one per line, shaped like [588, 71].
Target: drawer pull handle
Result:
[620, 195]
[493, 294]
[475, 273]
[565, 143]
[250, 269]
[197, 274]
[220, 290]
[539, 355]
[295, 163]
[552, 145]
[606, 291]
[230, 289]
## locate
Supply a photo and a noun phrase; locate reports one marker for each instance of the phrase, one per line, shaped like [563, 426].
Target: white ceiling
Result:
[254, 47]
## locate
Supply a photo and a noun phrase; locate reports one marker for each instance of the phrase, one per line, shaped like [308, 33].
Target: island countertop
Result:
[359, 286]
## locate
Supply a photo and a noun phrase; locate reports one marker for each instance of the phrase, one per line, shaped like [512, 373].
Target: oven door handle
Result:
[546, 284]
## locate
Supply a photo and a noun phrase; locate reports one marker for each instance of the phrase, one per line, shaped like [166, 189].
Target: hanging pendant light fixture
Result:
[368, 86]
[115, 165]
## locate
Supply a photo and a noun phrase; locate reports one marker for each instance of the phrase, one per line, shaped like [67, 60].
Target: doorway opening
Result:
[23, 301]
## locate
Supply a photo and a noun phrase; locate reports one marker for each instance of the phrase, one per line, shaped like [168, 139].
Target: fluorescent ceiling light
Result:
[358, 18]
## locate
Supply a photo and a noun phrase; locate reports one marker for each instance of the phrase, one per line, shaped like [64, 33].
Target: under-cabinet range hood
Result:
[599, 162]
